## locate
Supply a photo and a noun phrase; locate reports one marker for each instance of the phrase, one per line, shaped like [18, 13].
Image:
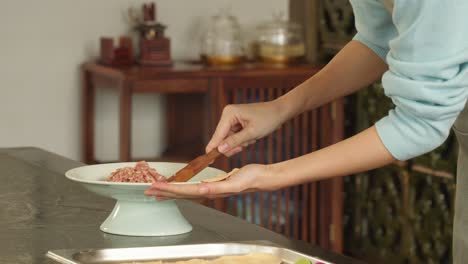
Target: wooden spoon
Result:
[195, 166]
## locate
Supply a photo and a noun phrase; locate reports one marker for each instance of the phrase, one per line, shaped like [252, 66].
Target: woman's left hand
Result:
[251, 178]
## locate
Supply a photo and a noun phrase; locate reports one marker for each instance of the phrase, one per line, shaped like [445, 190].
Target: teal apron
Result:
[460, 226]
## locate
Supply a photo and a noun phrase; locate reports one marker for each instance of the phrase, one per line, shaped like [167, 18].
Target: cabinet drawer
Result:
[172, 86]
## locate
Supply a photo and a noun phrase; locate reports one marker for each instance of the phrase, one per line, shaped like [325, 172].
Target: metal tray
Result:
[175, 253]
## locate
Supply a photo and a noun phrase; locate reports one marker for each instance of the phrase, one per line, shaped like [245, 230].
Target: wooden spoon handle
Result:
[195, 166]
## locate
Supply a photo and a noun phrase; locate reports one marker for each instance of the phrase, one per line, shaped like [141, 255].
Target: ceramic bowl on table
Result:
[135, 214]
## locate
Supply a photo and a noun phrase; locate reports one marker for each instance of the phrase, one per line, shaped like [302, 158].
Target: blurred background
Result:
[45, 42]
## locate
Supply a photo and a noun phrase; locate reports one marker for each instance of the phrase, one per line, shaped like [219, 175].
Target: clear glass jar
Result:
[222, 43]
[280, 41]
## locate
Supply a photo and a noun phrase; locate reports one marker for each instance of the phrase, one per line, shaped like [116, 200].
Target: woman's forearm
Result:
[363, 152]
[354, 67]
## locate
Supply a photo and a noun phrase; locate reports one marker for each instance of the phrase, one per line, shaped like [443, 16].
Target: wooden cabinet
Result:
[196, 97]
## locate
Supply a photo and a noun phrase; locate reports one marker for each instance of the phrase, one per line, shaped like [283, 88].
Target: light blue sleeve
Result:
[374, 25]
[427, 78]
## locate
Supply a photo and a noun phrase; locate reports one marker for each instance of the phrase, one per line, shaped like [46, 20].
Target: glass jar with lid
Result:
[222, 43]
[280, 41]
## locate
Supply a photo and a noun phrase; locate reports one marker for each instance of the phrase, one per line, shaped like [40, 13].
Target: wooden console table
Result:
[196, 96]
[194, 100]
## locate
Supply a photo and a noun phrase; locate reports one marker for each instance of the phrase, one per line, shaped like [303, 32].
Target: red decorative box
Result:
[116, 56]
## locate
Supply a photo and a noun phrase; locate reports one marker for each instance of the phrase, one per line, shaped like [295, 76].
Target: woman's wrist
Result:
[285, 108]
[270, 178]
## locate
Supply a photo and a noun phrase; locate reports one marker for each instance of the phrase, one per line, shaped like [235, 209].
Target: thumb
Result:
[235, 140]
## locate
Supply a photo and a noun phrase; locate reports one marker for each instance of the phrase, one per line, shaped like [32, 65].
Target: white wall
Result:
[42, 44]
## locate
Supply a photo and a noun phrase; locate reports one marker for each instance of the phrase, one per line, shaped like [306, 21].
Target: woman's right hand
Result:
[241, 125]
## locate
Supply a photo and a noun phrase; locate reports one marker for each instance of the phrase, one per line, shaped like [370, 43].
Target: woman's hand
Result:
[251, 178]
[241, 125]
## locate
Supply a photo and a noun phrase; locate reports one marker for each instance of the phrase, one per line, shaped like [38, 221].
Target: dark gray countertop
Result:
[41, 210]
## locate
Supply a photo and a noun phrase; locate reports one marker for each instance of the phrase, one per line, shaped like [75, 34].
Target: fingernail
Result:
[203, 190]
[223, 147]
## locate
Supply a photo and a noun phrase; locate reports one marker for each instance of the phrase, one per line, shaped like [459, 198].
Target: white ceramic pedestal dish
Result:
[134, 213]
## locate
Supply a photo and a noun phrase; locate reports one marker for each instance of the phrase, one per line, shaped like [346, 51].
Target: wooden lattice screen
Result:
[293, 211]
